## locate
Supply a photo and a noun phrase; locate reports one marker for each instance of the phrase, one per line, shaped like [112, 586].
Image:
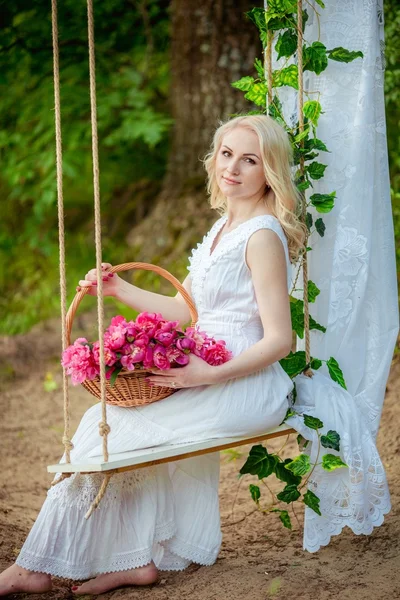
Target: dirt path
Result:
[259, 559]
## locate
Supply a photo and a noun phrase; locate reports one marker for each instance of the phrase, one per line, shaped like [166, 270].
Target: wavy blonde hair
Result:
[276, 154]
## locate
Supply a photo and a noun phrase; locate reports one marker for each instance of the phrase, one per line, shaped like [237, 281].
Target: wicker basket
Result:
[130, 387]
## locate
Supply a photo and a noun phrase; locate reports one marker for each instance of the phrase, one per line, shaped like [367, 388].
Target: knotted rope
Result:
[104, 428]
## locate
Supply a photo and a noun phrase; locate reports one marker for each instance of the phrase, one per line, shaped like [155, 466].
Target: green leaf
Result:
[320, 3]
[312, 501]
[302, 442]
[331, 440]
[114, 375]
[289, 413]
[257, 94]
[255, 492]
[316, 170]
[259, 462]
[284, 474]
[312, 110]
[315, 58]
[259, 68]
[287, 76]
[330, 462]
[342, 55]
[316, 363]
[320, 227]
[302, 184]
[323, 202]
[314, 325]
[300, 465]
[257, 16]
[309, 220]
[286, 44]
[275, 111]
[244, 84]
[282, 6]
[284, 517]
[289, 494]
[312, 422]
[302, 135]
[297, 316]
[335, 372]
[294, 363]
[312, 291]
[315, 144]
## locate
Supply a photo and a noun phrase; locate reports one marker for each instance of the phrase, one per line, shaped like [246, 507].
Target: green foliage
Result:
[284, 517]
[255, 492]
[289, 494]
[335, 372]
[323, 202]
[286, 44]
[330, 462]
[312, 110]
[342, 55]
[132, 85]
[315, 58]
[299, 465]
[312, 291]
[312, 501]
[312, 422]
[331, 440]
[286, 76]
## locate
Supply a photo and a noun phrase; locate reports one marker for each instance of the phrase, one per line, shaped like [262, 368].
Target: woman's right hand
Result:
[111, 281]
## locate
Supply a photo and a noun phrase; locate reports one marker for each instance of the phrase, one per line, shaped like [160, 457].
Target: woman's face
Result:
[239, 170]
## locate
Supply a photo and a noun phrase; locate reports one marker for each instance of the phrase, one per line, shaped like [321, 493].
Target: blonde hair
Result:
[276, 153]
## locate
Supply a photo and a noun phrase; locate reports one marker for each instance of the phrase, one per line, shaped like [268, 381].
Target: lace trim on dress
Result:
[81, 490]
[123, 561]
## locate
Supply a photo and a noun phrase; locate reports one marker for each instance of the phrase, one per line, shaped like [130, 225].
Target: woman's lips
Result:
[230, 181]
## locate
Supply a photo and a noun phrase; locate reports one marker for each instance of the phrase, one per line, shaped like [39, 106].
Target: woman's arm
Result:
[267, 262]
[172, 308]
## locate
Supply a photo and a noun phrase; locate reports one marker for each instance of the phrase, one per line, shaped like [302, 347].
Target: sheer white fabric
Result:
[354, 267]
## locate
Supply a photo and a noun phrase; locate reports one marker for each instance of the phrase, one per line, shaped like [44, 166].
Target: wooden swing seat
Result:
[145, 457]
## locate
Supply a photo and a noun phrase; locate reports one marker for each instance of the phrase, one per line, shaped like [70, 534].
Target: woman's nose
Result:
[233, 167]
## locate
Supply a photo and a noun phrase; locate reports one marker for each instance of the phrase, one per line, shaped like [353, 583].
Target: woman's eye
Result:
[224, 152]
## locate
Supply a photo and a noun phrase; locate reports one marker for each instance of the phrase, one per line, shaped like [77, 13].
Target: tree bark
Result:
[213, 44]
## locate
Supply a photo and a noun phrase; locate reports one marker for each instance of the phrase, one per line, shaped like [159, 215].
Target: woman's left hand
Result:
[196, 372]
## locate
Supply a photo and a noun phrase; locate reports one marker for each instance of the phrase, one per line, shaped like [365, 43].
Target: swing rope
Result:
[104, 428]
[61, 236]
[308, 371]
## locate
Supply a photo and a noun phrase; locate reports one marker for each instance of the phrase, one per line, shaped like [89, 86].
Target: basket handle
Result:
[125, 267]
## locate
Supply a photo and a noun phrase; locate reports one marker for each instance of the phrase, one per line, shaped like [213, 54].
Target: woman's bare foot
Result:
[15, 580]
[109, 581]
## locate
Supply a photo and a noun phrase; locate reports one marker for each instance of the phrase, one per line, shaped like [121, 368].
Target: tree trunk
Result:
[213, 44]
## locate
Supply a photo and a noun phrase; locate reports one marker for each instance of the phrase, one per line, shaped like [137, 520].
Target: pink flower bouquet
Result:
[148, 342]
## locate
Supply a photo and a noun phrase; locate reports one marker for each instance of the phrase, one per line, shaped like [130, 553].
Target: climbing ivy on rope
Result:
[278, 27]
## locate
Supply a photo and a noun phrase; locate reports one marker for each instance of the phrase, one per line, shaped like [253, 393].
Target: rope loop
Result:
[68, 445]
[104, 428]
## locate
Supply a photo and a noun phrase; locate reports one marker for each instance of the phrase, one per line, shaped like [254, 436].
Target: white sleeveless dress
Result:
[168, 513]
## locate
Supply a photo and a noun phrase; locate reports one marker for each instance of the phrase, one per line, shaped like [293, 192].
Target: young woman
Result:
[165, 517]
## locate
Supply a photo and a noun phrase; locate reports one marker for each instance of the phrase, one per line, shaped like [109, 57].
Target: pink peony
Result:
[148, 361]
[160, 358]
[175, 355]
[78, 361]
[148, 322]
[215, 353]
[185, 343]
[110, 357]
[115, 337]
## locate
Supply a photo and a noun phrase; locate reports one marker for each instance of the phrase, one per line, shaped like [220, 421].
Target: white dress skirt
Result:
[167, 513]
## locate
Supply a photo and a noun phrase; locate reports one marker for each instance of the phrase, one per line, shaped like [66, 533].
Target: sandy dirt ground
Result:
[259, 559]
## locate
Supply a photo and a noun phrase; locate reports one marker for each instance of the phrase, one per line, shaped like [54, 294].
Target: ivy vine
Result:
[279, 22]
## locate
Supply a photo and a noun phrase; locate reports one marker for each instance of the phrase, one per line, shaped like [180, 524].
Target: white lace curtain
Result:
[353, 265]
